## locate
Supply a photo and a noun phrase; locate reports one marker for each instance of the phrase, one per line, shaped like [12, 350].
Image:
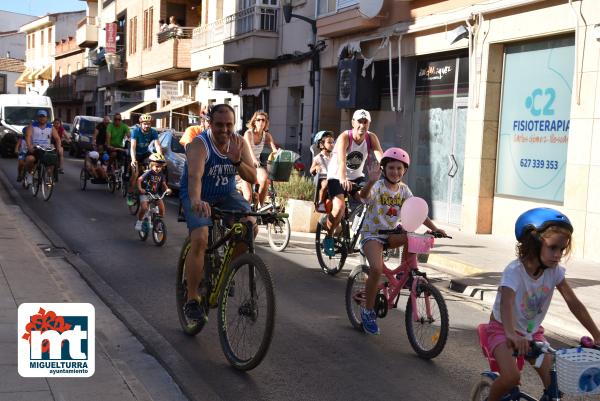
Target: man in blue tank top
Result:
[213, 159]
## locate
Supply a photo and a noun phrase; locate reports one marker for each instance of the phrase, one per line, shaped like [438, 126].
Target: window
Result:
[41, 37]
[2, 83]
[331, 6]
[133, 35]
[50, 35]
[219, 9]
[148, 20]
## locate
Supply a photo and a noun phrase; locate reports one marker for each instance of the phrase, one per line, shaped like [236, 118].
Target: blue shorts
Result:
[232, 201]
[22, 156]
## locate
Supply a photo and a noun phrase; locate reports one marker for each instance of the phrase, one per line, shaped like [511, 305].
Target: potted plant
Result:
[297, 194]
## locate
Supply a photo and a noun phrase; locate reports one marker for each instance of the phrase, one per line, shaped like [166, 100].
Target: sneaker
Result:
[369, 321]
[328, 244]
[138, 225]
[194, 311]
[130, 200]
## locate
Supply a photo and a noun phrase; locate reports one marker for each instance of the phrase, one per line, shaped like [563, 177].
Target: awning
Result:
[22, 80]
[252, 92]
[125, 111]
[164, 112]
[44, 73]
[32, 73]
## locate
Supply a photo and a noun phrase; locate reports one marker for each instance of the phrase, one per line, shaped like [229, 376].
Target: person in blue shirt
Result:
[213, 159]
[141, 137]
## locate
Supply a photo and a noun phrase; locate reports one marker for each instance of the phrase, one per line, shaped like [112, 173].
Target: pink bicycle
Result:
[426, 315]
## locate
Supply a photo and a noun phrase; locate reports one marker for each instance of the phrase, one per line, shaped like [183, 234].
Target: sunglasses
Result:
[260, 119]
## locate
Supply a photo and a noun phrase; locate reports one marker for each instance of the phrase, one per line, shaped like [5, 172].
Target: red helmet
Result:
[395, 154]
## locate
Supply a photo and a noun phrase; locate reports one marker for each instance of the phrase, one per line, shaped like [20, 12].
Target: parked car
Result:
[175, 155]
[82, 134]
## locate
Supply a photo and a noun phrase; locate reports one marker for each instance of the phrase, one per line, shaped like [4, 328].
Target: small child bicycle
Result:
[426, 315]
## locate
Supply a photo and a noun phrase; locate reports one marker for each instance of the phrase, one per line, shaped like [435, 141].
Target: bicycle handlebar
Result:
[217, 212]
[400, 230]
[156, 196]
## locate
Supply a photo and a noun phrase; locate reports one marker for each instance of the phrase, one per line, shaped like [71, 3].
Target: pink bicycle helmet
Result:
[395, 154]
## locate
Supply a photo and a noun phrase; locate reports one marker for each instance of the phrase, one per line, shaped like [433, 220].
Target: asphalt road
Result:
[315, 353]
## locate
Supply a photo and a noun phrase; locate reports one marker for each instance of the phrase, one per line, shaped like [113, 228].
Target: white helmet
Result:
[94, 155]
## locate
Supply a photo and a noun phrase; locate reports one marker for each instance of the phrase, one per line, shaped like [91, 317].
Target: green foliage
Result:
[298, 187]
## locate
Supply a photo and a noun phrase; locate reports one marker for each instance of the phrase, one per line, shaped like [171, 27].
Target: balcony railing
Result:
[183, 32]
[87, 32]
[86, 21]
[62, 94]
[253, 19]
[87, 79]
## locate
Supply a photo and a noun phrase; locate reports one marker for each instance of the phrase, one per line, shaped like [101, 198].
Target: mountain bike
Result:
[116, 171]
[45, 171]
[426, 316]
[241, 290]
[345, 237]
[278, 228]
[574, 371]
[153, 221]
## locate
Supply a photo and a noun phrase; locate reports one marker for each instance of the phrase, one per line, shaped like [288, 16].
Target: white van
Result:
[17, 111]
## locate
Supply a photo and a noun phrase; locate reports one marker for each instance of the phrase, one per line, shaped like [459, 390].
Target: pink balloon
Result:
[413, 213]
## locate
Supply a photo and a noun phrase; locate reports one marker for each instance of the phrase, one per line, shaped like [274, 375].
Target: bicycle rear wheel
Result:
[427, 333]
[83, 177]
[279, 232]
[331, 265]
[356, 295]
[481, 389]
[47, 183]
[189, 327]
[35, 181]
[246, 312]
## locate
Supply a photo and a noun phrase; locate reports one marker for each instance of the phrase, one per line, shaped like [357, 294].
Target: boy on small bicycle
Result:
[544, 236]
[383, 199]
[325, 142]
[149, 182]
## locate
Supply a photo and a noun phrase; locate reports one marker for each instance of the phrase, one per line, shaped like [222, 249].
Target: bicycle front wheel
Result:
[279, 233]
[428, 329]
[481, 389]
[356, 295]
[35, 181]
[246, 312]
[47, 183]
[331, 265]
[159, 232]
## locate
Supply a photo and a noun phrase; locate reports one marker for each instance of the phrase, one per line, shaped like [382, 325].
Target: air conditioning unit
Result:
[355, 91]
[227, 81]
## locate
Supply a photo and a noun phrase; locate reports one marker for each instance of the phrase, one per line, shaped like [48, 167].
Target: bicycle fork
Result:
[417, 279]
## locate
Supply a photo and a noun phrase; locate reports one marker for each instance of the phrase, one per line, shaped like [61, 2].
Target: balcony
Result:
[169, 58]
[87, 79]
[87, 32]
[62, 94]
[246, 36]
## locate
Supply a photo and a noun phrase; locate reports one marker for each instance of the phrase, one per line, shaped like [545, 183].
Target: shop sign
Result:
[111, 37]
[535, 119]
[128, 97]
[168, 90]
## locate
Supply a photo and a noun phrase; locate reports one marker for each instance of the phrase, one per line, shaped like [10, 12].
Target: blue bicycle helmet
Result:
[539, 219]
[319, 135]
[105, 157]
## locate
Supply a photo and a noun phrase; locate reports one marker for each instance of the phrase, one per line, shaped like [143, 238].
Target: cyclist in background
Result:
[383, 198]
[99, 138]
[544, 237]
[213, 159]
[61, 134]
[21, 151]
[150, 182]
[325, 143]
[116, 132]
[194, 130]
[351, 151]
[141, 137]
[41, 133]
[259, 140]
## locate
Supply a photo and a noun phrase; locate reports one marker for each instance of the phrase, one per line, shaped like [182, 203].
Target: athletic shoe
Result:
[369, 321]
[138, 225]
[328, 244]
[194, 311]
[130, 200]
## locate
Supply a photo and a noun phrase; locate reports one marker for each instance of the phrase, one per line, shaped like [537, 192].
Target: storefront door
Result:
[439, 128]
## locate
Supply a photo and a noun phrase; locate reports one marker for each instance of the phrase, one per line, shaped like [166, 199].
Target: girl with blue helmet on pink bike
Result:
[544, 237]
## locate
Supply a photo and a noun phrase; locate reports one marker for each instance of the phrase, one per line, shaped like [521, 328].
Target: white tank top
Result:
[257, 149]
[356, 157]
[41, 136]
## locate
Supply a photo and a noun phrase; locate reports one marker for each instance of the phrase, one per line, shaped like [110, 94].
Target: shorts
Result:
[231, 201]
[22, 156]
[497, 336]
[141, 158]
[334, 188]
[382, 239]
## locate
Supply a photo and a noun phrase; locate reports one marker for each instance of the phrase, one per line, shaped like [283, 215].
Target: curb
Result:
[178, 368]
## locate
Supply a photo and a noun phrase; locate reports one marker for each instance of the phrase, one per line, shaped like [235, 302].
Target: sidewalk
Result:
[33, 271]
[476, 262]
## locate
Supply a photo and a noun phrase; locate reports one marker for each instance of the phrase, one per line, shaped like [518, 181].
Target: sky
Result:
[41, 7]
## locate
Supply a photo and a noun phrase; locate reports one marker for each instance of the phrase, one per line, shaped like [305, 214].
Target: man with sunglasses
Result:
[116, 132]
[351, 151]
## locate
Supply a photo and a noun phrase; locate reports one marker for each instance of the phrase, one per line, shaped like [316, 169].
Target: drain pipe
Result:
[391, 76]
[399, 104]
[471, 72]
[577, 97]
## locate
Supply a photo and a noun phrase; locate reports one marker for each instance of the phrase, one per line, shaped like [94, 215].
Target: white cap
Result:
[361, 113]
[93, 154]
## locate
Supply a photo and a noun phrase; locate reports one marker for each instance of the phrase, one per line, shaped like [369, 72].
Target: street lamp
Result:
[286, 6]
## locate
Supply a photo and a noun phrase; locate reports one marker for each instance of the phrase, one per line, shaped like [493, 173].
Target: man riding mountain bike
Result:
[141, 138]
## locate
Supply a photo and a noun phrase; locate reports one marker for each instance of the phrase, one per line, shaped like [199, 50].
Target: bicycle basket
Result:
[49, 158]
[419, 243]
[578, 370]
[280, 167]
